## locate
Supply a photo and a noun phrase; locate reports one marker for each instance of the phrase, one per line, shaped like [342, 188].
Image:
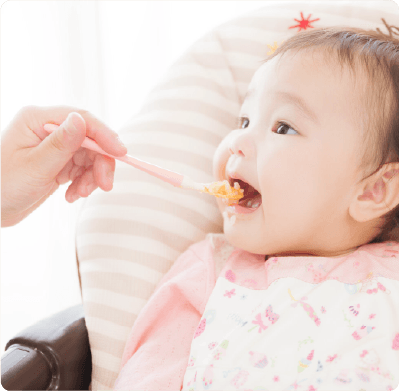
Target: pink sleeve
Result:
[157, 350]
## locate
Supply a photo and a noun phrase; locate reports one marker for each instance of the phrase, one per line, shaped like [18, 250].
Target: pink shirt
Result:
[157, 352]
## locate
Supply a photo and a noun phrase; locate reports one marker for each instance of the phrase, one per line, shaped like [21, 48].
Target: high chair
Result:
[127, 239]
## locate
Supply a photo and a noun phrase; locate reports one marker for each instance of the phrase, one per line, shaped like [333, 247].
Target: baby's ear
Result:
[377, 195]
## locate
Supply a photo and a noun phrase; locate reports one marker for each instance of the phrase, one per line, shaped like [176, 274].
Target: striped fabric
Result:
[128, 239]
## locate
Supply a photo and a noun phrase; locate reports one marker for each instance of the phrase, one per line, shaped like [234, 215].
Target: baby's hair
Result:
[378, 55]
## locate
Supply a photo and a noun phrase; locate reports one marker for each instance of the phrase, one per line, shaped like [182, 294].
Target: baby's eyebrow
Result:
[298, 102]
[292, 98]
[248, 94]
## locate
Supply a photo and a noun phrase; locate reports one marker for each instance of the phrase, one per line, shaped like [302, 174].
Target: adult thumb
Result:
[54, 152]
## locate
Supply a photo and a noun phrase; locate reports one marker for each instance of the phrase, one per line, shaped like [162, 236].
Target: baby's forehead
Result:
[314, 65]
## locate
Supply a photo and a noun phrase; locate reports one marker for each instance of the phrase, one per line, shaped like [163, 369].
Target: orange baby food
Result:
[224, 190]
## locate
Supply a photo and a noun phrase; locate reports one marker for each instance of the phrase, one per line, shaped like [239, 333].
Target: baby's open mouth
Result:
[252, 198]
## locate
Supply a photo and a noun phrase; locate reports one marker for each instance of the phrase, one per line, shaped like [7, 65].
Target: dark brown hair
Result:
[378, 55]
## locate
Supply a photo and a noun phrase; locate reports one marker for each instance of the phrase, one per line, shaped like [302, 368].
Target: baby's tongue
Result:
[254, 197]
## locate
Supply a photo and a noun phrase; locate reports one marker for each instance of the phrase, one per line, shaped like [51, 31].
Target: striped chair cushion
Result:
[128, 239]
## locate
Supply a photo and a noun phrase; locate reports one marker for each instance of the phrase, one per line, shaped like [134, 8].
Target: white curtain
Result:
[102, 56]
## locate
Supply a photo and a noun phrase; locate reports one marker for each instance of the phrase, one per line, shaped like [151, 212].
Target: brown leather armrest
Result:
[52, 354]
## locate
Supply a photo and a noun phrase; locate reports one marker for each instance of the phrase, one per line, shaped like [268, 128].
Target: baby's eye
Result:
[283, 125]
[243, 122]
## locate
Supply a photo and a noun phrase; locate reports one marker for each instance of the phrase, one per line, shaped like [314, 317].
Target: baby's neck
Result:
[293, 254]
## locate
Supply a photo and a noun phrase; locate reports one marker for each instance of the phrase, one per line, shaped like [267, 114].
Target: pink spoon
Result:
[174, 178]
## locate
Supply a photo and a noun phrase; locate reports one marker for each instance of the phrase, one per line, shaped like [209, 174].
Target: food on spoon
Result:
[224, 190]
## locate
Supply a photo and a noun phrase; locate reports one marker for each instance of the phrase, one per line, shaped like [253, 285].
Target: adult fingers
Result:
[104, 170]
[105, 137]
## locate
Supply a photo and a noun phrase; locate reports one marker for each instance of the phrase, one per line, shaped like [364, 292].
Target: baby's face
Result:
[297, 144]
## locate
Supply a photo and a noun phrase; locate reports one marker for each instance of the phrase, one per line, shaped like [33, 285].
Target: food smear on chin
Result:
[230, 218]
[224, 190]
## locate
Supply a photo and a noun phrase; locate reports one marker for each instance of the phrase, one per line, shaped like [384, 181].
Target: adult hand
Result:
[34, 163]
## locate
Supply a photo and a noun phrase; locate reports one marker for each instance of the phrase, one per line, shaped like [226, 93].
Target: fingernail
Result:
[71, 122]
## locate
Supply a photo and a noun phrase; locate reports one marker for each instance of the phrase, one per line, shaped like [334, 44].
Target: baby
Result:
[301, 292]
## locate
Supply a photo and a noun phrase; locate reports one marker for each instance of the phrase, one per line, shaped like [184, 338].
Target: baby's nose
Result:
[237, 152]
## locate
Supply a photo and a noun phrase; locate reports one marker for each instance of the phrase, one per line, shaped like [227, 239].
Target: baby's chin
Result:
[237, 238]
